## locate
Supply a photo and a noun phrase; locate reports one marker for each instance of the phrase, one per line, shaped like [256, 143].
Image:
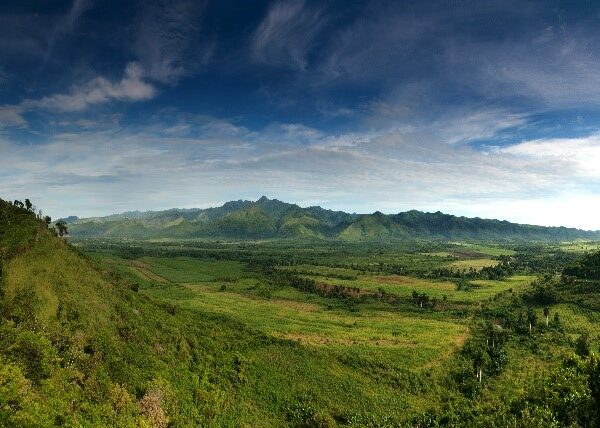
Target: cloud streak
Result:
[131, 87]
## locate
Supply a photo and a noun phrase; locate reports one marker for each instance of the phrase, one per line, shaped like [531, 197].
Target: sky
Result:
[488, 109]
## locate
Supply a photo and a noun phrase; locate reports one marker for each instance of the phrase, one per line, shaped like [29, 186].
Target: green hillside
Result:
[372, 228]
[270, 218]
[83, 348]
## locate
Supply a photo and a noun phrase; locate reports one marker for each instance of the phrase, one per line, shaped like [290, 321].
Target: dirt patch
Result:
[299, 306]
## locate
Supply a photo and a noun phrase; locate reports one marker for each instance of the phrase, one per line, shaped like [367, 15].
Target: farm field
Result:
[226, 288]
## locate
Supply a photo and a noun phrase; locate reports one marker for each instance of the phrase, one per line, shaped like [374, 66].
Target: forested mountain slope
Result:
[270, 218]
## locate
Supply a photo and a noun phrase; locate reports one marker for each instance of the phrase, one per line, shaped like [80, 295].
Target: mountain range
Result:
[271, 218]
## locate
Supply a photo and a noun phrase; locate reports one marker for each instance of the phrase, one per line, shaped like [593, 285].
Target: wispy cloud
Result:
[66, 24]
[550, 65]
[11, 115]
[376, 45]
[286, 35]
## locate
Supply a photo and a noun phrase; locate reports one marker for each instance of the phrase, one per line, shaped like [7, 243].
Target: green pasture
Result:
[483, 249]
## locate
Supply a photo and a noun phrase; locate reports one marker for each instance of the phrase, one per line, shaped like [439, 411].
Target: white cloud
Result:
[581, 154]
[131, 87]
[215, 161]
[12, 116]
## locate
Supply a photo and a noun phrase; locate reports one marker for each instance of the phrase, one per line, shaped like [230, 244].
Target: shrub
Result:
[36, 353]
[151, 406]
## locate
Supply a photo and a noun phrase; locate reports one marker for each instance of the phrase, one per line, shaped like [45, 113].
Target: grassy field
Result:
[226, 288]
[413, 340]
[476, 264]
[376, 356]
[482, 249]
[405, 285]
[580, 247]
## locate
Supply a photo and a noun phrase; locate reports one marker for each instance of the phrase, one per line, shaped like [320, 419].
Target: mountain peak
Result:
[263, 198]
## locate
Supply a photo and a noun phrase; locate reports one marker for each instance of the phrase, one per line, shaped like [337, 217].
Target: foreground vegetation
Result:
[291, 333]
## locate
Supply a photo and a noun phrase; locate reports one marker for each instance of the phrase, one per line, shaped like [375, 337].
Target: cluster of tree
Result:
[544, 291]
[464, 284]
[517, 315]
[26, 205]
[60, 226]
[586, 268]
[568, 395]
[505, 268]
[487, 356]
[282, 278]
[423, 300]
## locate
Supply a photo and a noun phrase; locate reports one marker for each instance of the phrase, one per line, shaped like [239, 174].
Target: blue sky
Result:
[487, 109]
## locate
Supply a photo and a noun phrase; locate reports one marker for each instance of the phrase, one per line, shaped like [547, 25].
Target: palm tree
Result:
[531, 319]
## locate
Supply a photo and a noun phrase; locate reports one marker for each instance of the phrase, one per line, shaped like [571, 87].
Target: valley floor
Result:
[364, 332]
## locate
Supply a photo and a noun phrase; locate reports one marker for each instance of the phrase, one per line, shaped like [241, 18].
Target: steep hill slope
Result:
[270, 218]
[82, 348]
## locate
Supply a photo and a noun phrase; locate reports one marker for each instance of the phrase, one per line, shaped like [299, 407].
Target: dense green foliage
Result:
[586, 268]
[18, 228]
[267, 218]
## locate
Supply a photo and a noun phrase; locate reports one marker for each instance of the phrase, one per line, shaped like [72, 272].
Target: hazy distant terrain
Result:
[270, 218]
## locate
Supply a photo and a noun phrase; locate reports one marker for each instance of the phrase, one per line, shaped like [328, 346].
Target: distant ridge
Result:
[270, 218]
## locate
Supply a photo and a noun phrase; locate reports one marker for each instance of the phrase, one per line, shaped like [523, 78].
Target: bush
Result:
[36, 353]
[304, 415]
[582, 345]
